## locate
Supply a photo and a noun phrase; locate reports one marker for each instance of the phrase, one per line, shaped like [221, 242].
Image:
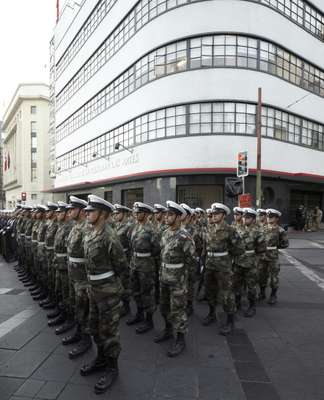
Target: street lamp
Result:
[118, 145]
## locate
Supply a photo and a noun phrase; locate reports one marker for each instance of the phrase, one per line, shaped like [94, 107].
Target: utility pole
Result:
[258, 134]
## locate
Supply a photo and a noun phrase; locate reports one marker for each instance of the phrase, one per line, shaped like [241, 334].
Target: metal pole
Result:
[258, 134]
[243, 184]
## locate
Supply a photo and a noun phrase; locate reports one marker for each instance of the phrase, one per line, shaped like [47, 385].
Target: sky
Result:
[26, 28]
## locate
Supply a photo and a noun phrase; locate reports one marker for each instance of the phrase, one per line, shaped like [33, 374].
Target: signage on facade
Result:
[245, 200]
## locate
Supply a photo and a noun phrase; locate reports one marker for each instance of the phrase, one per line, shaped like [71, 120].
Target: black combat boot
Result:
[273, 297]
[189, 309]
[49, 305]
[125, 309]
[109, 376]
[68, 324]
[59, 320]
[238, 299]
[166, 334]
[138, 317]
[178, 346]
[82, 347]
[211, 316]
[98, 364]
[262, 294]
[147, 325]
[229, 326]
[53, 314]
[251, 311]
[47, 300]
[75, 338]
[40, 297]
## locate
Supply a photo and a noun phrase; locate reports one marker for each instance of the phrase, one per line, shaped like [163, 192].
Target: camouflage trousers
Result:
[173, 304]
[269, 270]
[104, 315]
[192, 278]
[62, 292]
[143, 289]
[246, 278]
[219, 288]
[78, 294]
[126, 285]
[50, 272]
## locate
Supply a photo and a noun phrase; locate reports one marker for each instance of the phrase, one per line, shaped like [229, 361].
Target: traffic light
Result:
[242, 164]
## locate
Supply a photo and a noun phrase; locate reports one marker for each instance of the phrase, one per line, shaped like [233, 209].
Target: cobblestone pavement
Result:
[276, 355]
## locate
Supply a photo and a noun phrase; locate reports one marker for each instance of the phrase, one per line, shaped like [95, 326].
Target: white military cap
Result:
[261, 211]
[62, 206]
[200, 210]
[238, 210]
[209, 211]
[41, 208]
[159, 208]
[273, 212]
[98, 203]
[138, 206]
[51, 206]
[249, 211]
[220, 207]
[75, 202]
[121, 208]
[175, 208]
[188, 210]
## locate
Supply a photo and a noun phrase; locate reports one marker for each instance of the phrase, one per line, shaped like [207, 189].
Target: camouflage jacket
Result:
[276, 238]
[144, 240]
[50, 233]
[240, 228]
[222, 238]
[28, 232]
[255, 245]
[104, 253]
[75, 239]
[34, 234]
[124, 229]
[41, 239]
[177, 256]
[60, 243]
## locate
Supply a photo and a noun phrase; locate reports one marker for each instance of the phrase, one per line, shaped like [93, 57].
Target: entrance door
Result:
[308, 199]
[200, 195]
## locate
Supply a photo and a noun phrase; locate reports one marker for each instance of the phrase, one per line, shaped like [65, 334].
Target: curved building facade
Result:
[155, 98]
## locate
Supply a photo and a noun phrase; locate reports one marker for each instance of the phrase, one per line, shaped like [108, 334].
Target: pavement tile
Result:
[55, 368]
[251, 371]
[45, 342]
[22, 364]
[177, 382]
[30, 388]
[5, 355]
[257, 391]
[51, 390]
[8, 386]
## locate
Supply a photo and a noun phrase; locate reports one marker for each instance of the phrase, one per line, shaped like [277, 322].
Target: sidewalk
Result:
[276, 355]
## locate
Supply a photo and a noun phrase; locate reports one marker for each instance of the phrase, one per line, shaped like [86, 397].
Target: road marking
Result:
[16, 320]
[5, 290]
[320, 246]
[309, 273]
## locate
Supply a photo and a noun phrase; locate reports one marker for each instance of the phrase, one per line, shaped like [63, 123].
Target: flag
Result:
[8, 160]
[5, 163]
[57, 10]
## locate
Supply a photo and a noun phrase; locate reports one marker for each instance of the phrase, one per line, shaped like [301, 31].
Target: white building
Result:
[154, 99]
[25, 148]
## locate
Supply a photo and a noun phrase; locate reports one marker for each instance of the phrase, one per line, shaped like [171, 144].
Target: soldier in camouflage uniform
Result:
[106, 265]
[177, 262]
[261, 258]
[23, 274]
[221, 245]
[246, 272]
[78, 281]
[49, 255]
[145, 253]
[124, 227]
[26, 243]
[238, 223]
[37, 288]
[276, 238]
[61, 269]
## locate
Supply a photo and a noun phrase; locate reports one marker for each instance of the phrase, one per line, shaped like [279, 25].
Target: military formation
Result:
[86, 262]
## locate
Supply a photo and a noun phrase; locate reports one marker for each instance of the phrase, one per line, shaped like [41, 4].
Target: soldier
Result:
[238, 220]
[246, 272]
[177, 262]
[61, 269]
[261, 218]
[78, 281]
[36, 289]
[106, 265]
[28, 250]
[145, 254]
[222, 244]
[276, 238]
[124, 228]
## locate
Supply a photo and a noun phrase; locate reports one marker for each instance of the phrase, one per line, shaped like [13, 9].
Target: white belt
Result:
[41, 243]
[272, 248]
[101, 276]
[211, 254]
[125, 249]
[77, 260]
[61, 254]
[49, 247]
[142, 254]
[28, 237]
[34, 241]
[249, 251]
[22, 234]
[173, 266]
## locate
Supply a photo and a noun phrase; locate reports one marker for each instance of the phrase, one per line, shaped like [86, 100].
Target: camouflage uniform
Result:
[276, 238]
[34, 250]
[41, 256]
[246, 272]
[222, 243]
[145, 252]
[49, 252]
[178, 260]
[105, 255]
[27, 245]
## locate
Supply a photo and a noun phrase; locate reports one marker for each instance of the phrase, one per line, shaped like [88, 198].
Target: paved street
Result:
[276, 355]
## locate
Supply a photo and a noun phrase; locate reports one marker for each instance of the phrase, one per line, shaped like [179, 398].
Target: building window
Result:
[200, 195]
[33, 126]
[108, 195]
[33, 155]
[33, 109]
[34, 196]
[129, 196]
